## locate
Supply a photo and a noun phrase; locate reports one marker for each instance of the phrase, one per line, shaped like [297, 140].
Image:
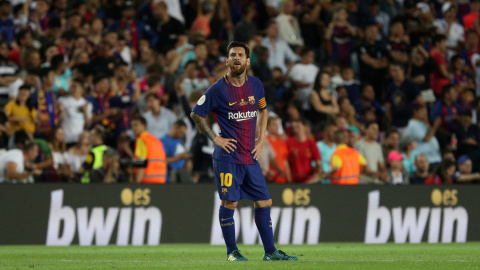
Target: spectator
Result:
[62, 75]
[347, 163]
[446, 110]
[367, 101]
[76, 155]
[347, 111]
[302, 154]
[169, 30]
[138, 27]
[94, 158]
[5, 132]
[278, 50]
[464, 173]
[398, 42]
[373, 61]
[422, 65]
[453, 31]
[379, 17]
[46, 104]
[419, 128]
[303, 76]
[468, 136]
[21, 115]
[440, 76]
[310, 22]
[110, 171]
[372, 151]
[471, 47]
[408, 146]
[442, 174]
[202, 22]
[476, 67]
[202, 150]
[470, 18]
[466, 102]
[459, 76]
[279, 169]
[289, 26]
[262, 71]
[16, 166]
[56, 142]
[327, 146]
[159, 119]
[392, 141]
[421, 172]
[351, 85]
[401, 95]
[77, 114]
[246, 28]
[396, 173]
[191, 79]
[177, 156]
[323, 104]
[148, 148]
[341, 32]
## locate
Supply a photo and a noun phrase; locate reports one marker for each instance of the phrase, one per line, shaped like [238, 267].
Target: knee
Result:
[229, 204]
[263, 204]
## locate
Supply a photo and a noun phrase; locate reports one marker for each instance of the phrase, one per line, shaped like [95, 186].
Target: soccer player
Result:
[236, 100]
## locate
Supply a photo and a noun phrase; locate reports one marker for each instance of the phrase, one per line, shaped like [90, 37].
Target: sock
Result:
[228, 228]
[264, 226]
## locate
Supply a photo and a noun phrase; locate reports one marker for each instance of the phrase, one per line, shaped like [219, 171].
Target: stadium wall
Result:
[62, 215]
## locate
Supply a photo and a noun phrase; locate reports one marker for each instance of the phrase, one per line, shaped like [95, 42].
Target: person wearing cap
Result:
[347, 163]
[138, 28]
[408, 146]
[464, 173]
[456, 33]
[470, 18]
[396, 173]
[353, 135]
[420, 129]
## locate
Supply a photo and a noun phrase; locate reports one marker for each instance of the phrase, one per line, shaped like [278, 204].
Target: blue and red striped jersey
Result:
[235, 109]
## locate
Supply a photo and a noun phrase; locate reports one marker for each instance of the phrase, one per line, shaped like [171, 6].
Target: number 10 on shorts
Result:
[226, 179]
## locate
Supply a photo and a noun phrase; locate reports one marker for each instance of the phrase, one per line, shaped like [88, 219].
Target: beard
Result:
[238, 70]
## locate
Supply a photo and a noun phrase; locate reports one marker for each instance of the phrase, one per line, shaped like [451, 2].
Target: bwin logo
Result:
[241, 116]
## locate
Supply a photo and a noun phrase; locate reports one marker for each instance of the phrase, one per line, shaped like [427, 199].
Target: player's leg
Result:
[227, 178]
[255, 188]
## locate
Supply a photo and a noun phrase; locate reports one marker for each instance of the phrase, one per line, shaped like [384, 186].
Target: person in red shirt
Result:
[439, 77]
[442, 174]
[469, 19]
[302, 153]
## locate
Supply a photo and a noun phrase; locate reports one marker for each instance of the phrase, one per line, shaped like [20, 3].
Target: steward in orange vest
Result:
[150, 148]
[346, 162]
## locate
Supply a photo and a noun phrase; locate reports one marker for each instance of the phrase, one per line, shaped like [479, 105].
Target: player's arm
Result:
[261, 129]
[225, 143]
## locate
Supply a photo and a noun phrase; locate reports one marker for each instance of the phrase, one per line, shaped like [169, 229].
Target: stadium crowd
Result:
[88, 88]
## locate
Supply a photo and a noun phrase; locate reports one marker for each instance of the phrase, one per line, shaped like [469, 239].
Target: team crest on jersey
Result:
[224, 191]
[251, 100]
[243, 103]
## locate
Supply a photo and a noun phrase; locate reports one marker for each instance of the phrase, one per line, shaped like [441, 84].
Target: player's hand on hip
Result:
[225, 143]
[257, 151]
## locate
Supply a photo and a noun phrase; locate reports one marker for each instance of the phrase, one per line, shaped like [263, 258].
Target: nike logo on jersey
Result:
[223, 219]
[230, 104]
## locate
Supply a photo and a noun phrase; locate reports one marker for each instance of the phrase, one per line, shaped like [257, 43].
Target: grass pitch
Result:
[197, 256]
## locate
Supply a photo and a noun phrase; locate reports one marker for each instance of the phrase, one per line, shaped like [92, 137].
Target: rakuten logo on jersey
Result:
[242, 116]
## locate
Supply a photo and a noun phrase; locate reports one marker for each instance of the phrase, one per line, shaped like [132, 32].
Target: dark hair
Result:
[56, 61]
[437, 39]
[455, 58]
[471, 31]
[446, 89]
[316, 83]
[195, 95]
[391, 131]
[28, 103]
[69, 35]
[466, 113]
[238, 44]
[100, 77]
[17, 8]
[469, 89]
[152, 95]
[155, 68]
[21, 137]
[304, 51]
[180, 123]
[21, 35]
[153, 79]
[51, 139]
[442, 168]
[44, 72]
[140, 119]
[399, 65]
[54, 23]
[369, 123]
[364, 86]
[80, 82]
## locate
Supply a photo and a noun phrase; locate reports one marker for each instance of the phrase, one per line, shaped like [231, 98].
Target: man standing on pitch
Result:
[236, 100]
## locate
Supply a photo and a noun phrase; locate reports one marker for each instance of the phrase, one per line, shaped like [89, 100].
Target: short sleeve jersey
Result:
[236, 110]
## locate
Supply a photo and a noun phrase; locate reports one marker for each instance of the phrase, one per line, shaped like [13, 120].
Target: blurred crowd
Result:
[400, 79]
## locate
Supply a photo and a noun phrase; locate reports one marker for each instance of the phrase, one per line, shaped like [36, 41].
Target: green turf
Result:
[323, 256]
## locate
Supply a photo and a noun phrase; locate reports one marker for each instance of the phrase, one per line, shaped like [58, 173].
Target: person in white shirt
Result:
[159, 119]
[17, 165]
[278, 50]
[456, 32]
[303, 76]
[77, 113]
[288, 25]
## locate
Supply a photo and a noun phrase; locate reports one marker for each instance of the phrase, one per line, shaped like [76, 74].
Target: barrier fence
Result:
[62, 215]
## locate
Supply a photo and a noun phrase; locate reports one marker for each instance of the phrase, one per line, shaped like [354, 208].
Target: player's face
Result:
[237, 61]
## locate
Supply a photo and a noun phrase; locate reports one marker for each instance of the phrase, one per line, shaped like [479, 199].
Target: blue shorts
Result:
[238, 181]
